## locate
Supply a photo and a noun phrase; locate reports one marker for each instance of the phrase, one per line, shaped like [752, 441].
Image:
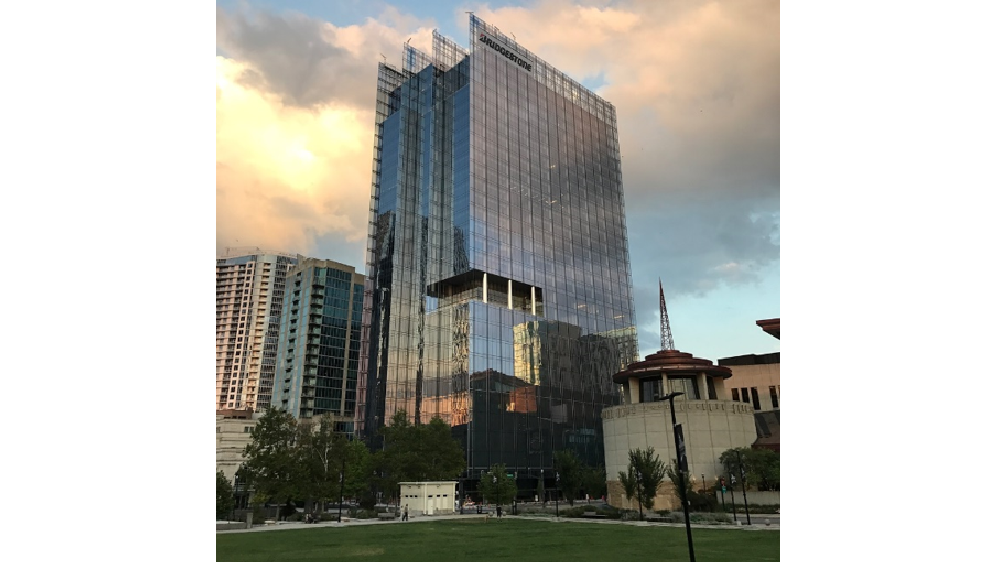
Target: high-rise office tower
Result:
[499, 293]
[249, 287]
[319, 342]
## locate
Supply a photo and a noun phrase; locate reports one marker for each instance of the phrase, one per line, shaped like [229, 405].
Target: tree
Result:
[647, 463]
[271, 464]
[627, 478]
[681, 482]
[761, 465]
[442, 457]
[594, 482]
[504, 490]
[319, 451]
[223, 496]
[358, 469]
[417, 453]
[570, 471]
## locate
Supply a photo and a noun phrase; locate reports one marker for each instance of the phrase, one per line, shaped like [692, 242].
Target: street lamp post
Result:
[340, 513]
[743, 481]
[703, 482]
[544, 491]
[236, 485]
[638, 491]
[557, 495]
[681, 468]
[496, 491]
[732, 496]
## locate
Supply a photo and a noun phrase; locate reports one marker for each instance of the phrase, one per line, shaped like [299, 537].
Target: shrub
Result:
[590, 508]
[367, 500]
[610, 511]
[630, 516]
[258, 516]
[294, 517]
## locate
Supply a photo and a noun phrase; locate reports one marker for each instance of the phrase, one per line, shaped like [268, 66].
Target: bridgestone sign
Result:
[483, 38]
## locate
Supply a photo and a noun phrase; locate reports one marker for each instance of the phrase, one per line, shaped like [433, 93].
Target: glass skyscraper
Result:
[319, 342]
[499, 291]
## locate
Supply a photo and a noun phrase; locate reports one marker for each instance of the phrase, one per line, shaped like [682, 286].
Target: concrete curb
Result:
[648, 524]
[334, 524]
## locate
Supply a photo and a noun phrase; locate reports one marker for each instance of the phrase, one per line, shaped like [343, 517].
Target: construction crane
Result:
[666, 338]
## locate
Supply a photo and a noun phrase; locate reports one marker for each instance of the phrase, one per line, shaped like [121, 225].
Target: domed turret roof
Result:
[673, 363]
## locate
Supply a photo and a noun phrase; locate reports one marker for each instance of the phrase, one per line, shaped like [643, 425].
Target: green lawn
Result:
[519, 540]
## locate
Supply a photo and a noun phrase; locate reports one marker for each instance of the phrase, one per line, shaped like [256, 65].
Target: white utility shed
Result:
[427, 498]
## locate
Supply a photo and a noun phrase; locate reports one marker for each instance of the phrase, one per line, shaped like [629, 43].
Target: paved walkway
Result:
[418, 519]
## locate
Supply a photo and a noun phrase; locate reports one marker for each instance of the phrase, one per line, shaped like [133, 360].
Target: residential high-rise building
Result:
[249, 287]
[498, 293]
[319, 342]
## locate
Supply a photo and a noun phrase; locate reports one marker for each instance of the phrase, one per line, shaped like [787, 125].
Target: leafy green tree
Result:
[629, 485]
[223, 496]
[319, 450]
[681, 482]
[417, 453]
[503, 491]
[571, 474]
[323, 454]
[647, 463]
[271, 464]
[358, 469]
[762, 466]
[594, 482]
[394, 462]
[442, 457]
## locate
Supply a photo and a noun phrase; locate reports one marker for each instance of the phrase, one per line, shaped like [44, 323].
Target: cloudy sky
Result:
[696, 86]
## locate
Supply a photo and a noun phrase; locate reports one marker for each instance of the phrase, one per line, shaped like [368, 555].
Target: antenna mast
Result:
[666, 338]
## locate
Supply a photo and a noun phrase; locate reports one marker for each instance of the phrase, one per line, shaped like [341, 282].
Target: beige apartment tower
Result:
[249, 288]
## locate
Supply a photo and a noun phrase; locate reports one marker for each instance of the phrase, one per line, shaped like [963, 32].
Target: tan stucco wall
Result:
[666, 497]
[710, 427]
[230, 440]
[760, 376]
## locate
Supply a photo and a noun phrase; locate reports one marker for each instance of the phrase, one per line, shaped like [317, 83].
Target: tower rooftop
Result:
[673, 363]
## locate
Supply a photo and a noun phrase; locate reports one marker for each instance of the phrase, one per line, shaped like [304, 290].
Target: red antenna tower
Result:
[666, 338]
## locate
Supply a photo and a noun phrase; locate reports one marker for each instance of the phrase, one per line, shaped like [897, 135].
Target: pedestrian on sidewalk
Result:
[406, 512]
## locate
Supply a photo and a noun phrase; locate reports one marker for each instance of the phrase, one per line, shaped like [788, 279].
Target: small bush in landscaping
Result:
[610, 511]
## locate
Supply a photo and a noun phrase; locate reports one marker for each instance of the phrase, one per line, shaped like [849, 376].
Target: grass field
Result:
[520, 540]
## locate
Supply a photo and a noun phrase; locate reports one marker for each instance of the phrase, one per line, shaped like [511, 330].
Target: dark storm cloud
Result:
[292, 59]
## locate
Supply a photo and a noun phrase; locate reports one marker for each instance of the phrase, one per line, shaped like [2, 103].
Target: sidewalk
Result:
[414, 519]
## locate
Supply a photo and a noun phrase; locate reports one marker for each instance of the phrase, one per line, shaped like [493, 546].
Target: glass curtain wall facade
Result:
[319, 342]
[499, 293]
